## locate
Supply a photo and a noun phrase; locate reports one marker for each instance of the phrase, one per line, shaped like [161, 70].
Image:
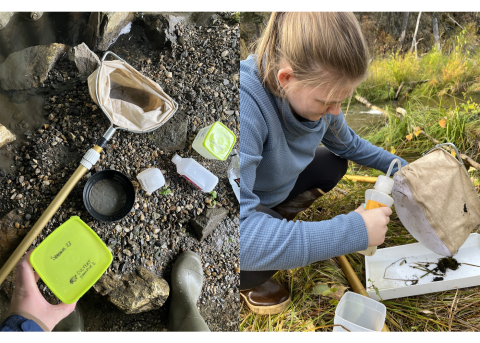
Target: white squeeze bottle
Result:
[151, 179]
[194, 172]
[379, 197]
[234, 173]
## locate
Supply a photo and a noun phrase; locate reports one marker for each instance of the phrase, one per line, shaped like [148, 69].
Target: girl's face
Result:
[313, 103]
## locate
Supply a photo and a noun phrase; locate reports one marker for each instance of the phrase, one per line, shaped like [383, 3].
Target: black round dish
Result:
[126, 185]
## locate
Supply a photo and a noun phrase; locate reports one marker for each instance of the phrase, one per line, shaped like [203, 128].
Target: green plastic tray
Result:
[71, 259]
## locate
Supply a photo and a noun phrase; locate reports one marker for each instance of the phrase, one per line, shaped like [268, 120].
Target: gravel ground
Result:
[202, 76]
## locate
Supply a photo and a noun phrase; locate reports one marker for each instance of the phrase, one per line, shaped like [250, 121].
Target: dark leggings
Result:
[324, 172]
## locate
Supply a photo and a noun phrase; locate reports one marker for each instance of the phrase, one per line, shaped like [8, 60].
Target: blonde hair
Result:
[321, 47]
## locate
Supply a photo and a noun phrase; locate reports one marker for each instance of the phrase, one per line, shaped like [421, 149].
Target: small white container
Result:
[464, 276]
[194, 172]
[151, 179]
[359, 314]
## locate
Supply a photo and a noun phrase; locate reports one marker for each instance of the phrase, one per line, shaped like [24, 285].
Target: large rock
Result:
[6, 136]
[103, 28]
[136, 292]
[84, 59]
[10, 238]
[173, 134]
[161, 28]
[208, 221]
[5, 19]
[29, 67]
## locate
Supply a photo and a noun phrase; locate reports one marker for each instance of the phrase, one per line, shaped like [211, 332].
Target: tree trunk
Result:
[389, 23]
[436, 36]
[415, 34]
[404, 29]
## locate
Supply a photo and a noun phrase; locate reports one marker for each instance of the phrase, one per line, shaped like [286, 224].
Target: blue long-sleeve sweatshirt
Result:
[275, 149]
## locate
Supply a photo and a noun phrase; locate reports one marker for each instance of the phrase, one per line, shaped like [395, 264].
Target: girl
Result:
[290, 95]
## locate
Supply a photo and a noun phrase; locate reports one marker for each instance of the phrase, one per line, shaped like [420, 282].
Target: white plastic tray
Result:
[464, 276]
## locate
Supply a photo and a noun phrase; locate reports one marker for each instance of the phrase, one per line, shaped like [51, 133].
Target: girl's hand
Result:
[28, 299]
[376, 221]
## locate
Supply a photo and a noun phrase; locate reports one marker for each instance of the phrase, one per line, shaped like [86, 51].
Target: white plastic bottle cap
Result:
[384, 184]
[176, 159]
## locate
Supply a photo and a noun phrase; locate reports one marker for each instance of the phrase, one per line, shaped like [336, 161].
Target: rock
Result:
[136, 292]
[172, 135]
[10, 238]
[84, 59]
[205, 18]
[208, 221]
[28, 68]
[160, 28]
[103, 28]
[5, 18]
[6, 136]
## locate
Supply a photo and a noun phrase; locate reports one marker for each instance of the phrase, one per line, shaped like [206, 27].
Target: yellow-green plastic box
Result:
[215, 141]
[71, 259]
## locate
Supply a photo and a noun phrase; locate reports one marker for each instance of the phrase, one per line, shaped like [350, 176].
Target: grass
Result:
[454, 310]
[421, 127]
[447, 73]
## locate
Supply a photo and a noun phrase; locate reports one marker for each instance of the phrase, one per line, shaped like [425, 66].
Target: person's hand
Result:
[376, 221]
[28, 299]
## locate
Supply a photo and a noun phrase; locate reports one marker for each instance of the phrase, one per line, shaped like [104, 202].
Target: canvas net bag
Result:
[436, 201]
[130, 100]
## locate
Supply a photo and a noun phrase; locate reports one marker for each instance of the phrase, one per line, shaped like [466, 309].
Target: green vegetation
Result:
[164, 191]
[213, 195]
[434, 74]
[424, 125]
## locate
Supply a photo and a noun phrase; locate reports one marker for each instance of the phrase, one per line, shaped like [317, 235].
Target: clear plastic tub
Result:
[359, 314]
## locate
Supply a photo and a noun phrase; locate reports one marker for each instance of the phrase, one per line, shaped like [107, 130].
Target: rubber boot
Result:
[301, 202]
[72, 322]
[187, 280]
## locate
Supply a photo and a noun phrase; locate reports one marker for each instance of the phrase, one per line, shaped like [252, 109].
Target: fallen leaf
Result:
[320, 288]
[409, 137]
[310, 326]
[416, 133]
[337, 291]
[392, 150]
[333, 302]
[443, 123]
[454, 154]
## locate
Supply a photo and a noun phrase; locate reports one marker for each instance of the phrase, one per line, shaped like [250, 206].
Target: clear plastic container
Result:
[234, 173]
[379, 197]
[194, 172]
[359, 313]
[151, 179]
[214, 141]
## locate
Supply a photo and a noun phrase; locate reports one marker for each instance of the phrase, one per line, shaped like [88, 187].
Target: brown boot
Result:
[268, 298]
[291, 208]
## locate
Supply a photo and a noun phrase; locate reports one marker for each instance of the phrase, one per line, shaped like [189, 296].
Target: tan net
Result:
[437, 202]
[130, 100]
